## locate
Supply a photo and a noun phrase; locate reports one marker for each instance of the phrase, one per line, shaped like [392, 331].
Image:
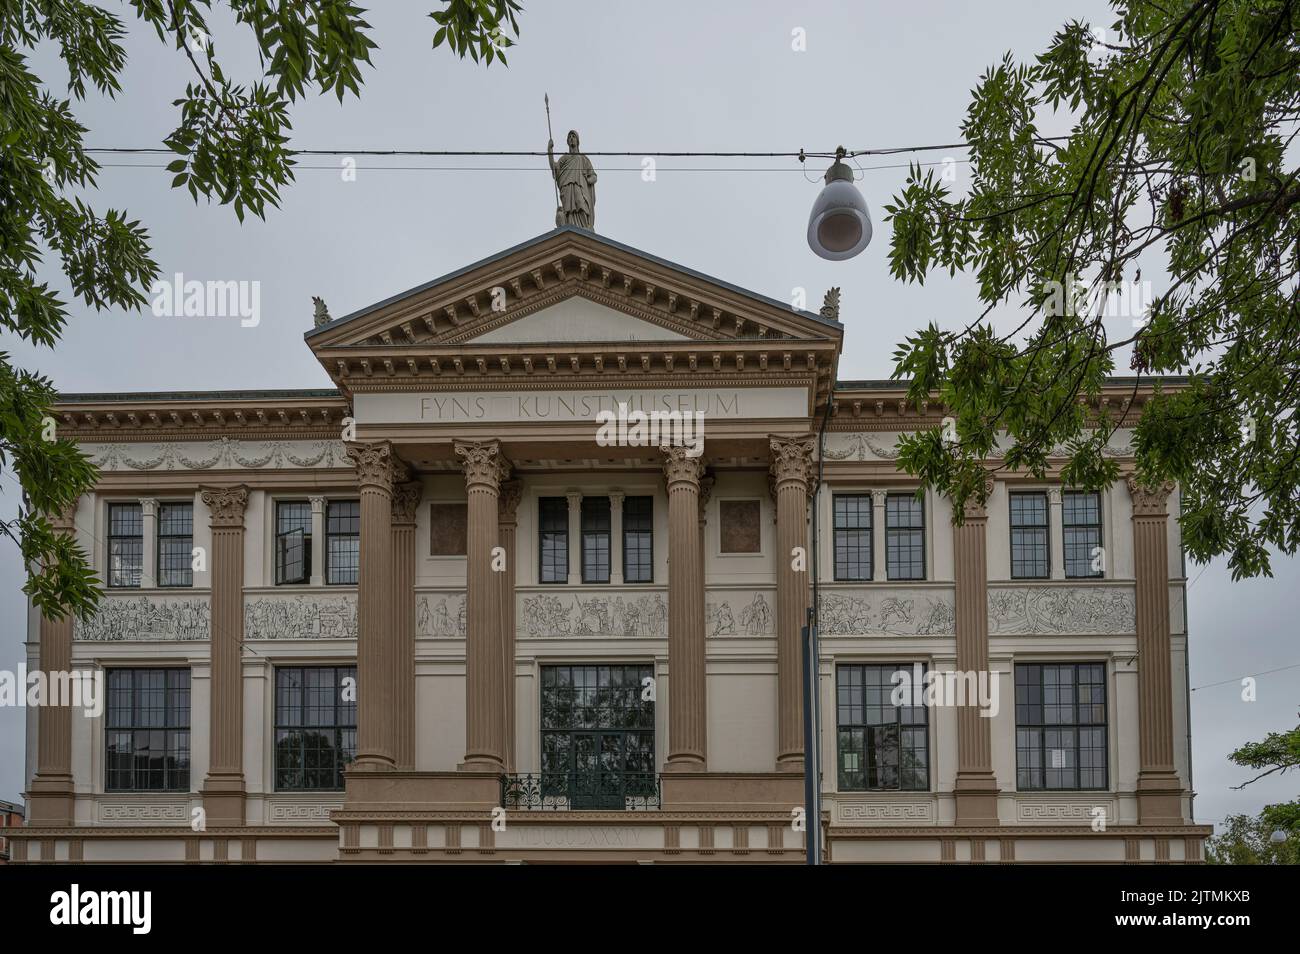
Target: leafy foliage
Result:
[1182, 116]
[232, 147]
[1246, 840]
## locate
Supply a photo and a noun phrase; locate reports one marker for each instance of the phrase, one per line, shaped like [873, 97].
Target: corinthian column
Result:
[507, 524]
[377, 471]
[791, 471]
[1159, 791]
[485, 730]
[687, 702]
[50, 800]
[406, 500]
[223, 789]
[976, 787]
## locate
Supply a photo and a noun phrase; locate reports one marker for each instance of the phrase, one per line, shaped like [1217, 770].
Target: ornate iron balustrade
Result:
[581, 791]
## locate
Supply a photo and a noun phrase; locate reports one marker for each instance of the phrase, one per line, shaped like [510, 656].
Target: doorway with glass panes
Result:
[598, 736]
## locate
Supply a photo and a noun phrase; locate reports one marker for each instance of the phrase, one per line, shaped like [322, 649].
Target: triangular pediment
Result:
[537, 277]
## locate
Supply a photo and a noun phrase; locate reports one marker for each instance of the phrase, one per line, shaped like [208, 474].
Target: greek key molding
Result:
[123, 618]
[878, 812]
[224, 453]
[1054, 812]
[300, 617]
[129, 812]
[312, 813]
[1062, 609]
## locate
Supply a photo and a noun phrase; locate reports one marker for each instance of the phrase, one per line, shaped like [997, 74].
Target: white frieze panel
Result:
[849, 811]
[440, 615]
[894, 611]
[224, 453]
[628, 614]
[300, 617]
[1073, 812]
[119, 619]
[740, 613]
[883, 445]
[1065, 609]
[301, 813]
[139, 813]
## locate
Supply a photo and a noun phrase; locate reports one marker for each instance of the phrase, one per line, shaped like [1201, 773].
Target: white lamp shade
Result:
[839, 226]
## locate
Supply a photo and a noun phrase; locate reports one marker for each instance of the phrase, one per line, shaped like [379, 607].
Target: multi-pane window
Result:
[292, 541]
[315, 726]
[342, 541]
[852, 536]
[125, 544]
[1060, 726]
[1029, 559]
[1081, 516]
[638, 540]
[598, 735]
[904, 537]
[553, 539]
[176, 544]
[881, 746]
[147, 730]
[595, 539]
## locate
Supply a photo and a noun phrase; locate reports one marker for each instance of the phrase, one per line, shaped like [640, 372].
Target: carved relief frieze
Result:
[440, 615]
[627, 614]
[224, 453]
[1065, 609]
[301, 617]
[147, 618]
[731, 613]
[895, 611]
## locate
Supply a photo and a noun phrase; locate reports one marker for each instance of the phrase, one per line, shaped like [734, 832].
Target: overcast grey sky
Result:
[640, 77]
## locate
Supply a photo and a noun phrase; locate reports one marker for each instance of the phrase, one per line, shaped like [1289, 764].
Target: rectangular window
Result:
[904, 537]
[1060, 726]
[881, 746]
[125, 544]
[598, 736]
[342, 541]
[147, 730]
[638, 540]
[853, 536]
[553, 539]
[1081, 516]
[292, 541]
[595, 539]
[1029, 559]
[176, 544]
[315, 727]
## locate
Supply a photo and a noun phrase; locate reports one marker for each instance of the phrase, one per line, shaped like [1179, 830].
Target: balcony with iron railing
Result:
[581, 791]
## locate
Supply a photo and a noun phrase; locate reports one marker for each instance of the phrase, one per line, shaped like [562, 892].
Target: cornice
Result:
[148, 417]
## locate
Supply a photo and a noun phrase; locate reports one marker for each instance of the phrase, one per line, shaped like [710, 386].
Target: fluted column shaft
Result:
[976, 785]
[223, 789]
[485, 731]
[1159, 790]
[50, 800]
[507, 525]
[791, 472]
[406, 501]
[377, 471]
[687, 701]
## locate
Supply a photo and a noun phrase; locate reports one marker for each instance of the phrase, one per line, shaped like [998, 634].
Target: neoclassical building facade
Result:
[435, 614]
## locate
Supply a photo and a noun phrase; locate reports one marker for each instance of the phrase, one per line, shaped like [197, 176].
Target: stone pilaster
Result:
[1158, 788]
[687, 700]
[50, 799]
[485, 730]
[223, 789]
[616, 499]
[791, 472]
[976, 786]
[378, 469]
[507, 525]
[406, 501]
[149, 542]
[879, 566]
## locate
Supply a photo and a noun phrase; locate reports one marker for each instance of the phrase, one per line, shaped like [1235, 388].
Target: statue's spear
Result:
[551, 138]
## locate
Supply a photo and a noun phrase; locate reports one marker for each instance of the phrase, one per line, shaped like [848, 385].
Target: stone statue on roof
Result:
[320, 314]
[575, 181]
